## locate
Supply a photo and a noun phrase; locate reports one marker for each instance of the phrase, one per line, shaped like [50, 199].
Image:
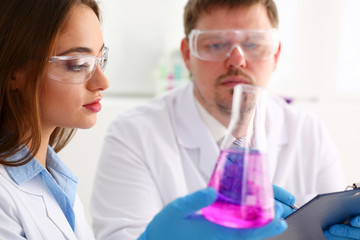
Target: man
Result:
[168, 147]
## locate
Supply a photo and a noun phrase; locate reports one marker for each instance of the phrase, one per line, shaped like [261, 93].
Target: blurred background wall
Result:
[318, 69]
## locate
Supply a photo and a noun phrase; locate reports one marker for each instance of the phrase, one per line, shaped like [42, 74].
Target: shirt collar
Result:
[62, 174]
[61, 182]
[24, 173]
[216, 129]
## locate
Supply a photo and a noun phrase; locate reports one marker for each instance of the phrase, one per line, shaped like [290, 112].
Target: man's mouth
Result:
[232, 82]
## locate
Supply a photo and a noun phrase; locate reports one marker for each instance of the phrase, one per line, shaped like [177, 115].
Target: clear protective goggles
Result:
[76, 69]
[217, 45]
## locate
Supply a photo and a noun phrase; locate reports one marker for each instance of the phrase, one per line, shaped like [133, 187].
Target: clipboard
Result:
[320, 213]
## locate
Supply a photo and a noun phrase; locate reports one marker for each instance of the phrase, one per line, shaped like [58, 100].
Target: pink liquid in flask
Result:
[245, 197]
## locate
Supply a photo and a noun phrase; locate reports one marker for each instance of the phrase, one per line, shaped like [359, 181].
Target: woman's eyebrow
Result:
[77, 50]
[80, 50]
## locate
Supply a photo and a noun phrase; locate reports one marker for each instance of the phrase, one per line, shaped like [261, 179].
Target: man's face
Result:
[214, 80]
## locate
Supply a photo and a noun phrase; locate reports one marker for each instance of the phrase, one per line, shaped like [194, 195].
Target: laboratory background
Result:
[319, 69]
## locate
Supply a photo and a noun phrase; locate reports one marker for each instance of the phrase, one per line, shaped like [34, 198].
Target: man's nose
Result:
[236, 58]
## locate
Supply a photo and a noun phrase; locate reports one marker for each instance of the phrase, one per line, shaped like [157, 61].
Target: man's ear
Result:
[185, 51]
[277, 54]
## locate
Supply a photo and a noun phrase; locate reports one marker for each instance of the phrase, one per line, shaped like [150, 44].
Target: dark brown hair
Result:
[194, 8]
[28, 32]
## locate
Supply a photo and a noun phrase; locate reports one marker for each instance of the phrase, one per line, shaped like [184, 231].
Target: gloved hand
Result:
[285, 199]
[344, 231]
[176, 221]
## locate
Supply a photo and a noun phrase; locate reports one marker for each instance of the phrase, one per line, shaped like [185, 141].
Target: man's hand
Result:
[344, 231]
[285, 200]
[177, 221]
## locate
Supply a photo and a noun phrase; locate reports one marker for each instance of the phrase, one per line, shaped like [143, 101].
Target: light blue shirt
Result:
[62, 183]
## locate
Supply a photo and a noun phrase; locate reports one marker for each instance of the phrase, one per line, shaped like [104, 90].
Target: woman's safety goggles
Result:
[77, 68]
[217, 45]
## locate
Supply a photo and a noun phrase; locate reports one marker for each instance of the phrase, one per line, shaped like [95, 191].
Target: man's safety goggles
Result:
[217, 45]
[76, 69]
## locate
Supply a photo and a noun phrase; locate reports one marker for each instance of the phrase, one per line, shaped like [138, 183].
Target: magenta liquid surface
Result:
[245, 198]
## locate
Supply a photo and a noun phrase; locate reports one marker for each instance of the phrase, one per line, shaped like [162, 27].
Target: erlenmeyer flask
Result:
[245, 195]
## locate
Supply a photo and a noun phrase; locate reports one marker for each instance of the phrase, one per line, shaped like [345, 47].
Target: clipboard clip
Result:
[354, 186]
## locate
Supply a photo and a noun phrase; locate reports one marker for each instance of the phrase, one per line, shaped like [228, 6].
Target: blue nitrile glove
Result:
[177, 221]
[344, 231]
[285, 199]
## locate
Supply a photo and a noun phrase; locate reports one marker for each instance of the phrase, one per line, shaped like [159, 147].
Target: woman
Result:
[42, 99]
[52, 57]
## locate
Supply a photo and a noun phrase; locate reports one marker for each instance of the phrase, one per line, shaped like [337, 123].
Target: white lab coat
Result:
[30, 210]
[155, 153]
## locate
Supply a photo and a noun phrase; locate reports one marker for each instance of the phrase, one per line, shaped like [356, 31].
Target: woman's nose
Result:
[98, 81]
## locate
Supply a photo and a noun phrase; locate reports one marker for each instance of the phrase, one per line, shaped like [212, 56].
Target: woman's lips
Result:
[94, 106]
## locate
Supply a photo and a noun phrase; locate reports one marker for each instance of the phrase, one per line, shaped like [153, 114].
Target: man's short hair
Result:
[194, 8]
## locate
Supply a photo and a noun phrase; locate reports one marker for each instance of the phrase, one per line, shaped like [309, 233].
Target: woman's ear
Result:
[17, 79]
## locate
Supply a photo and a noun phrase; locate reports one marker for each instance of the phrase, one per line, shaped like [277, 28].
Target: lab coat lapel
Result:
[277, 134]
[192, 133]
[53, 210]
[57, 216]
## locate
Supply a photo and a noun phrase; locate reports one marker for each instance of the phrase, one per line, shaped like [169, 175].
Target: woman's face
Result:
[74, 105]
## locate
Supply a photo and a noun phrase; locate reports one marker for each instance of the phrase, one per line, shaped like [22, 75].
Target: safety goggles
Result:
[217, 45]
[76, 69]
